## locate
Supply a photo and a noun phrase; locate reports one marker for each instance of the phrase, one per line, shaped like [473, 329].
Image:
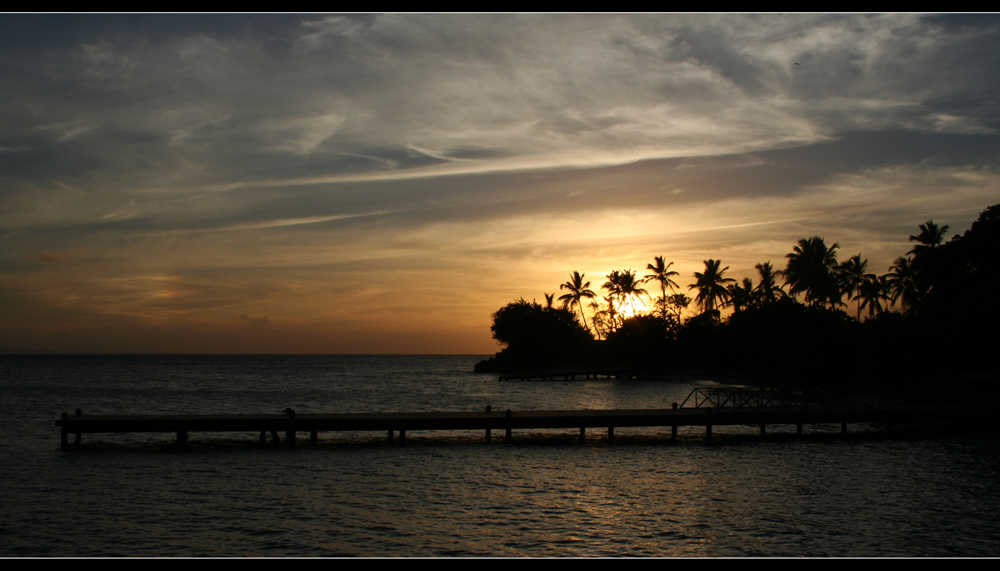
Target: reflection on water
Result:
[907, 494]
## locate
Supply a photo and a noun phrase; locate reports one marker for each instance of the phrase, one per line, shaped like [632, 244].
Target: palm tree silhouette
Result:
[741, 297]
[549, 297]
[614, 293]
[623, 286]
[679, 302]
[661, 273]
[768, 290]
[577, 291]
[930, 237]
[810, 271]
[872, 291]
[853, 277]
[902, 283]
[711, 285]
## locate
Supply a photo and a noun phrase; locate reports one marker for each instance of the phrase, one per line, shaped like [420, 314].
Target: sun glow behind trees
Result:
[767, 327]
[812, 273]
[631, 309]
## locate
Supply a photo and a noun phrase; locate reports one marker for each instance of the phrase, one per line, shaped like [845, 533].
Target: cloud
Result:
[316, 33]
[61, 257]
[505, 91]
[257, 322]
[303, 135]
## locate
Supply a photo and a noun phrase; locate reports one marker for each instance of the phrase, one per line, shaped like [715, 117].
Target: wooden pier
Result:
[701, 413]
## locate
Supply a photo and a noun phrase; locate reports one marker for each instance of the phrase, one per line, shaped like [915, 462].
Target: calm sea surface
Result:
[909, 493]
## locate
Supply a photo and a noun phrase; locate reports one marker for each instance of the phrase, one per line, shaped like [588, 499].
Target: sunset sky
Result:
[383, 184]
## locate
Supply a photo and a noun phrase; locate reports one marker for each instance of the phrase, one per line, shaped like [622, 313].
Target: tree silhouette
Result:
[577, 291]
[902, 283]
[928, 247]
[537, 337]
[768, 290]
[810, 271]
[679, 302]
[608, 316]
[662, 274]
[623, 287]
[741, 297]
[930, 237]
[872, 292]
[549, 298]
[711, 286]
[853, 277]
[600, 320]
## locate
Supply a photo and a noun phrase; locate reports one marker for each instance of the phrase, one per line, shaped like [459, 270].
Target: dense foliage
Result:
[537, 336]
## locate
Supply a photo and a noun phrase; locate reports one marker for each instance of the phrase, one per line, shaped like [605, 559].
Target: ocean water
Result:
[913, 492]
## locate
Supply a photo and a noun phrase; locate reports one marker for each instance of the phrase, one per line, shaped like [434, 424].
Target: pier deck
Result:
[703, 416]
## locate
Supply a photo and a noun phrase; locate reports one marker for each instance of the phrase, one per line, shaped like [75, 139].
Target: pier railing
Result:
[790, 400]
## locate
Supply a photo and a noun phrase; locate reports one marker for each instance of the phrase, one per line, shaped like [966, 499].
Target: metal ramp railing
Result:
[799, 399]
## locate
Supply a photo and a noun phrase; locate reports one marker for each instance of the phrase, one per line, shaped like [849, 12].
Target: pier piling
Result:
[290, 433]
[64, 433]
[489, 432]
